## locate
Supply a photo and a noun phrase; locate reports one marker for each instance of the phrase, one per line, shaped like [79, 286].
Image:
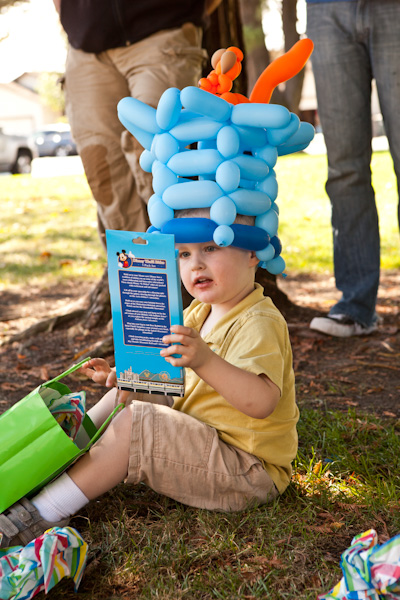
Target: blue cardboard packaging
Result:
[146, 300]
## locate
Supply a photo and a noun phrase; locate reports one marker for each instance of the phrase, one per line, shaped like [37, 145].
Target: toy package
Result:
[145, 301]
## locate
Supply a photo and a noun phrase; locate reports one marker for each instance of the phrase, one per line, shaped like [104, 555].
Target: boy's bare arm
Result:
[254, 395]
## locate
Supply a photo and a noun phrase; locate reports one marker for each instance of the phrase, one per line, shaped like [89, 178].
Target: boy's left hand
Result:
[189, 344]
[100, 371]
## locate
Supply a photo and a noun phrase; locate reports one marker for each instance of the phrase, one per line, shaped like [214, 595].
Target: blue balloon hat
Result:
[229, 167]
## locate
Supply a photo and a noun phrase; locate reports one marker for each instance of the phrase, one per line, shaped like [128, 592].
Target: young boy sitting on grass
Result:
[228, 443]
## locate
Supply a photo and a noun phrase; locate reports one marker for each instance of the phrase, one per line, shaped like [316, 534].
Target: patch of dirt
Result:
[361, 373]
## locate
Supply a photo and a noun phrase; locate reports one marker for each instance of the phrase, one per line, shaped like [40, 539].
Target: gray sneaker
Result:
[341, 326]
[22, 523]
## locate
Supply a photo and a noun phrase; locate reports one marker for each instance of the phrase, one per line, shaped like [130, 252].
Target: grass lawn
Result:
[48, 226]
[305, 212]
[347, 472]
[48, 231]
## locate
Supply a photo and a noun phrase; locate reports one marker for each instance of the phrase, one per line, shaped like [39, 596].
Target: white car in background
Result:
[16, 153]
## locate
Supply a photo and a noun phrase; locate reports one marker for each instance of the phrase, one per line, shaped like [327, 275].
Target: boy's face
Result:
[216, 275]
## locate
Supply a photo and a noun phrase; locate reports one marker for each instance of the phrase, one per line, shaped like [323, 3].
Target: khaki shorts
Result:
[184, 459]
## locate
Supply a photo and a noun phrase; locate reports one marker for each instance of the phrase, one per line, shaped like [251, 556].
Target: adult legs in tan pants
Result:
[94, 84]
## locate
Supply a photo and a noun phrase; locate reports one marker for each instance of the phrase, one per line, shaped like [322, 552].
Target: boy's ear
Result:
[253, 261]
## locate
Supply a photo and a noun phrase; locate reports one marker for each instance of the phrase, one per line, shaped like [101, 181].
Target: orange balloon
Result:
[237, 51]
[213, 77]
[281, 69]
[234, 98]
[205, 84]
[234, 71]
[224, 84]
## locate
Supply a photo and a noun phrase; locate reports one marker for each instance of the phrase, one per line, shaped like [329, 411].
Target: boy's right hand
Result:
[100, 371]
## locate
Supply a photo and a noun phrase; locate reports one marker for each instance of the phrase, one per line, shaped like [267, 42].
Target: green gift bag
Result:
[33, 447]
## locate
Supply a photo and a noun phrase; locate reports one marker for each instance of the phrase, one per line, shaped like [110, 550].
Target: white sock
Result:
[59, 499]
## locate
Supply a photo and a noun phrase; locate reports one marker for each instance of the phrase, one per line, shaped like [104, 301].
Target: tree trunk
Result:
[256, 57]
[291, 94]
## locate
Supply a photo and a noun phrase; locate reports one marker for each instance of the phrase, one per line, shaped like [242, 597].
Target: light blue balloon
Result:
[209, 105]
[169, 108]
[269, 186]
[227, 176]
[159, 214]
[195, 162]
[266, 254]
[275, 207]
[139, 114]
[228, 141]
[146, 160]
[153, 145]
[267, 153]
[165, 146]
[250, 202]
[143, 137]
[223, 236]
[280, 136]
[162, 179]
[192, 194]
[251, 137]
[207, 144]
[247, 184]
[260, 115]
[188, 115]
[268, 221]
[154, 198]
[250, 167]
[223, 211]
[299, 140]
[156, 165]
[200, 128]
[284, 150]
[276, 265]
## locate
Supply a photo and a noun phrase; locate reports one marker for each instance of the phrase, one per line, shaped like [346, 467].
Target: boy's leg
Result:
[106, 463]
[103, 408]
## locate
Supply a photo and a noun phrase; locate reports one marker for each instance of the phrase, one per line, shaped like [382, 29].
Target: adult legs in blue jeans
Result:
[355, 41]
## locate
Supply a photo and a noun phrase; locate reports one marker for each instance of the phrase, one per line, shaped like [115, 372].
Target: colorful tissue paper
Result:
[370, 571]
[68, 411]
[26, 571]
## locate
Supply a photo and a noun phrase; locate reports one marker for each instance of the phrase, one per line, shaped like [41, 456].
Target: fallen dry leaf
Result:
[44, 373]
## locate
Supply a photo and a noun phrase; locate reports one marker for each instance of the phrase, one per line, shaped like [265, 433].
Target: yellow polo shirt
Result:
[254, 337]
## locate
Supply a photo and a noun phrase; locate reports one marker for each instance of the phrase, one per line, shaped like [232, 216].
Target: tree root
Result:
[46, 325]
[100, 349]
[97, 312]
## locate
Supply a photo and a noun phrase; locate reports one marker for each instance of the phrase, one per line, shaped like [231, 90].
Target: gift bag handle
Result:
[102, 427]
[68, 371]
